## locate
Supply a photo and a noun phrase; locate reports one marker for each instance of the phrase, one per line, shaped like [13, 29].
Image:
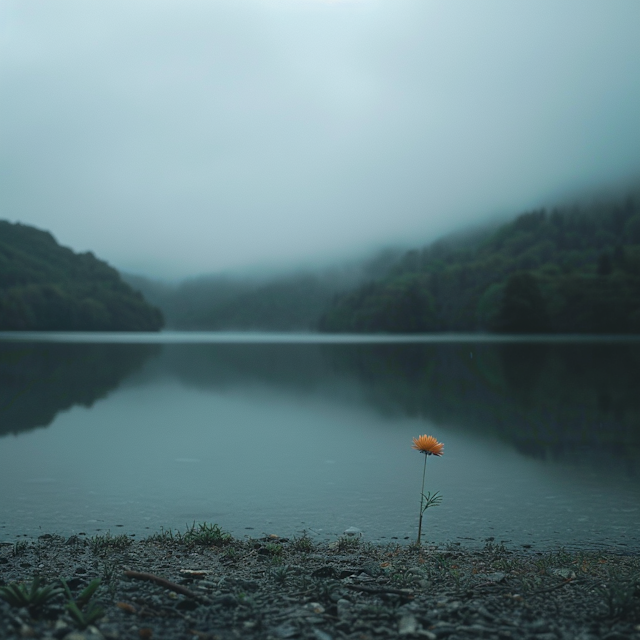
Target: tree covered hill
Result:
[571, 270]
[270, 302]
[44, 286]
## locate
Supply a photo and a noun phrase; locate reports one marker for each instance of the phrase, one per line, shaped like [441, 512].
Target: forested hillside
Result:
[570, 270]
[278, 302]
[44, 286]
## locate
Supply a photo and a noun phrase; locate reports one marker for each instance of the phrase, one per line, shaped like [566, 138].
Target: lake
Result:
[268, 433]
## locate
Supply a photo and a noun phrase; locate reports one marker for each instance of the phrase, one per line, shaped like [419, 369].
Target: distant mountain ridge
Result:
[47, 287]
[570, 270]
[292, 301]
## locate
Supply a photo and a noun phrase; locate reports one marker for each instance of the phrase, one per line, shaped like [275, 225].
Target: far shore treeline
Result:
[571, 269]
[46, 287]
[568, 270]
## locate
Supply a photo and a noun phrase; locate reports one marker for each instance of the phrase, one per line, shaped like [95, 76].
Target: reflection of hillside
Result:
[299, 367]
[563, 401]
[556, 401]
[38, 380]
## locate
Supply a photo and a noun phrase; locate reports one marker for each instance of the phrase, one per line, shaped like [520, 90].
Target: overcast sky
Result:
[177, 137]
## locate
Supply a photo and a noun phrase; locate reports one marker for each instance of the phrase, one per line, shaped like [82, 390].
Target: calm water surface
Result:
[280, 434]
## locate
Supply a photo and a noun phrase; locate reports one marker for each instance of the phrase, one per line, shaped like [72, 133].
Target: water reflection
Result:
[576, 402]
[542, 442]
[39, 380]
[572, 402]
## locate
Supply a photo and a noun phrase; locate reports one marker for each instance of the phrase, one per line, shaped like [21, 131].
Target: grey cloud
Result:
[184, 137]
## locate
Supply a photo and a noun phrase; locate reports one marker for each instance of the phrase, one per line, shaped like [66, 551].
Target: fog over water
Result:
[176, 138]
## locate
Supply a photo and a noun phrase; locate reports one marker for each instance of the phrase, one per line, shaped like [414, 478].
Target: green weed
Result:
[619, 594]
[164, 536]
[302, 543]
[280, 573]
[494, 549]
[198, 533]
[83, 608]
[19, 595]
[230, 553]
[206, 534]
[100, 544]
[275, 550]
[348, 544]
[19, 548]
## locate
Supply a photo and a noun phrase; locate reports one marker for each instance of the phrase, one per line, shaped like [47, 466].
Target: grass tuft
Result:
[206, 534]
[19, 548]
[101, 544]
[346, 544]
[302, 543]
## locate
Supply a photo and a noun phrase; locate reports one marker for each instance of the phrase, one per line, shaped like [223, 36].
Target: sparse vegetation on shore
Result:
[202, 583]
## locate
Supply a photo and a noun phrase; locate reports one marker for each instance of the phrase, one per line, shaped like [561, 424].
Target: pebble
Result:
[496, 577]
[407, 625]
[285, 631]
[476, 630]
[344, 607]
[443, 629]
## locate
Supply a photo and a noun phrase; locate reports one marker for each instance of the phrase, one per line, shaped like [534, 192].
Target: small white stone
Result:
[314, 607]
[344, 606]
[567, 574]
[408, 625]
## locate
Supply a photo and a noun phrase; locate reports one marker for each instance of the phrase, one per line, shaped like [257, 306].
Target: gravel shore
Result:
[203, 584]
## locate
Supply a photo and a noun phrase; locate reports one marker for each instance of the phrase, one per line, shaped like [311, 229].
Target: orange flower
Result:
[428, 445]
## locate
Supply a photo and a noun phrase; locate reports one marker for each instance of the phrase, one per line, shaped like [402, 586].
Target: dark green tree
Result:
[46, 287]
[523, 309]
[605, 265]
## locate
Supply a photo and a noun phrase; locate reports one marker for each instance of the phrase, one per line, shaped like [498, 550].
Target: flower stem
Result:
[424, 471]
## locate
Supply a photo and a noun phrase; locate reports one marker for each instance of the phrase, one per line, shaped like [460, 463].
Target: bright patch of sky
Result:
[181, 137]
